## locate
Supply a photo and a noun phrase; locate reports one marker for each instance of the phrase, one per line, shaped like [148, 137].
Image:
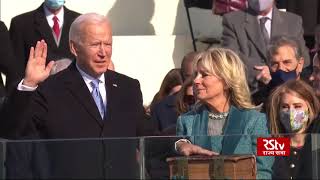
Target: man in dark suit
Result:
[28, 28]
[62, 106]
[8, 64]
[246, 33]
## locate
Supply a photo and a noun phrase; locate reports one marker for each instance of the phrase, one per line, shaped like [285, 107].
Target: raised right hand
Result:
[37, 70]
[188, 149]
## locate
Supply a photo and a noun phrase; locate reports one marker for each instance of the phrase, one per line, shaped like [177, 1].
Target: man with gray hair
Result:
[248, 32]
[286, 62]
[86, 100]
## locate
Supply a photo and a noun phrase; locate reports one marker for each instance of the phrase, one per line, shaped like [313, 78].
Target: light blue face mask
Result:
[54, 4]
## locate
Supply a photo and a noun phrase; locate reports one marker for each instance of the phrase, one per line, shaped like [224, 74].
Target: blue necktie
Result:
[97, 97]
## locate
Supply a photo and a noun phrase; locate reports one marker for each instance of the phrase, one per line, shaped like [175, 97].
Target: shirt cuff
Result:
[22, 87]
[180, 140]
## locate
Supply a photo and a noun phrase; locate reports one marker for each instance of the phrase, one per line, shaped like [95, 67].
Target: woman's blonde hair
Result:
[227, 65]
[298, 88]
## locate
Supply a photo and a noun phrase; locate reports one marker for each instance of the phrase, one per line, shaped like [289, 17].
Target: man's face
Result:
[315, 76]
[94, 52]
[261, 6]
[286, 60]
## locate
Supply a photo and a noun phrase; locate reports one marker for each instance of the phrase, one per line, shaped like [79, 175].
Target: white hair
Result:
[76, 27]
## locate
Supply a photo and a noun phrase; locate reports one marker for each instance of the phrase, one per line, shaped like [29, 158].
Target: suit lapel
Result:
[252, 28]
[112, 91]
[200, 129]
[77, 87]
[233, 130]
[277, 23]
[42, 27]
[66, 26]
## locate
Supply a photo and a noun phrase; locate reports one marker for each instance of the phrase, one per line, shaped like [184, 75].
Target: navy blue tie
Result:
[97, 97]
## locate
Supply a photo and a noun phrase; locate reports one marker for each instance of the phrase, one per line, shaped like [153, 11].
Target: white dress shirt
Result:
[102, 88]
[49, 16]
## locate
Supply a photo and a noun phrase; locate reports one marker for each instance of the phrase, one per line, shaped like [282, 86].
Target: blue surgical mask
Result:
[293, 120]
[54, 4]
[260, 5]
[279, 77]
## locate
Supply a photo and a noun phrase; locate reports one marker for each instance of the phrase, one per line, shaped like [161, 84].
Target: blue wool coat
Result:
[240, 131]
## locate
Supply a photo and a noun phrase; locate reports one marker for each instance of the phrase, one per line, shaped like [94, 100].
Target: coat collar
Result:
[74, 82]
[252, 28]
[42, 27]
[232, 131]
[231, 124]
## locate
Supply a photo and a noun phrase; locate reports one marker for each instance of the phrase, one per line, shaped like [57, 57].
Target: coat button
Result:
[295, 153]
[292, 166]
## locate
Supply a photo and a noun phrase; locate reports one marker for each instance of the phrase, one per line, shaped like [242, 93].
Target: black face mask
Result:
[279, 77]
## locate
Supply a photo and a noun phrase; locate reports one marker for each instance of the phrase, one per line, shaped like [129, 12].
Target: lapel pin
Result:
[114, 85]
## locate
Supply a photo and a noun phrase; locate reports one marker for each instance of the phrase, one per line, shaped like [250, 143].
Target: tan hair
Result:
[298, 88]
[227, 65]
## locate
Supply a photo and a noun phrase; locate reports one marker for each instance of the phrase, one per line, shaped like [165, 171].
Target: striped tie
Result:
[97, 97]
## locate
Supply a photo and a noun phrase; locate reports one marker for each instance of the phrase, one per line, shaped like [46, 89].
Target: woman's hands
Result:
[188, 149]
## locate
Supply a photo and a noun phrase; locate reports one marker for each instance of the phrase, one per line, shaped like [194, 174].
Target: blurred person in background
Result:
[292, 107]
[314, 51]
[8, 64]
[51, 22]
[185, 98]
[248, 32]
[161, 109]
[164, 113]
[315, 76]
[170, 85]
[286, 62]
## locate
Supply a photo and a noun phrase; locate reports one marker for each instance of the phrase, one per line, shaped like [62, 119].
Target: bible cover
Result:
[215, 167]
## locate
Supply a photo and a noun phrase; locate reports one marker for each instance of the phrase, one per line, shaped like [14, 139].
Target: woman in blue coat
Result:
[223, 121]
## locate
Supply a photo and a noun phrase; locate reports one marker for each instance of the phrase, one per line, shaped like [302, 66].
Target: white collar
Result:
[87, 78]
[49, 15]
[269, 15]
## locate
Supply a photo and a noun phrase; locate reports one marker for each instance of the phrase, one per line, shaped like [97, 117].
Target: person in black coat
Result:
[8, 65]
[28, 28]
[62, 107]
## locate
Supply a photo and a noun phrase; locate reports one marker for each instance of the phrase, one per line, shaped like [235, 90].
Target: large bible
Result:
[215, 167]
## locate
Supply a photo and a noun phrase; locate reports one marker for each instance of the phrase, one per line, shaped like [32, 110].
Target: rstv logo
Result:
[273, 146]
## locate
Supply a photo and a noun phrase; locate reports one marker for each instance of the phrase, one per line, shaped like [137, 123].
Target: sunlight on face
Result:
[207, 87]
[285, 60]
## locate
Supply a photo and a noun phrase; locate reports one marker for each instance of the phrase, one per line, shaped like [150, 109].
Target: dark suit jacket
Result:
[241, 33]
[8, 65]
[63, 108]
[28, 28]
[164, 113]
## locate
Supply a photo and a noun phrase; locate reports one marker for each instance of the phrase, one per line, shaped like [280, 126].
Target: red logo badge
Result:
[279, 146]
